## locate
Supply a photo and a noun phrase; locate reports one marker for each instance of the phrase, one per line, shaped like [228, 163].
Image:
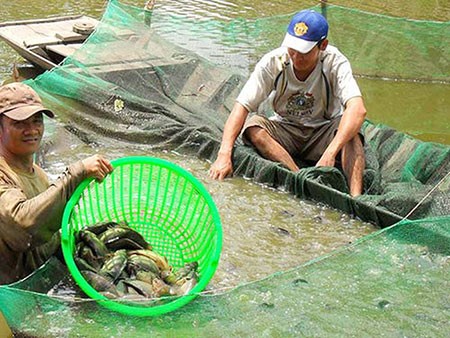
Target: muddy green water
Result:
[266, 230]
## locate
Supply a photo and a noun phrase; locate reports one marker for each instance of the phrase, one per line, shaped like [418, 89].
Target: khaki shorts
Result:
[301, 142]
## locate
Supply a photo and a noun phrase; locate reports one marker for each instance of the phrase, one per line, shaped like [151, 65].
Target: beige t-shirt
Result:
[30, 214]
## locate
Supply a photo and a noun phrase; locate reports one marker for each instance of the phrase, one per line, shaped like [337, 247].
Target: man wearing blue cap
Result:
[317, 104]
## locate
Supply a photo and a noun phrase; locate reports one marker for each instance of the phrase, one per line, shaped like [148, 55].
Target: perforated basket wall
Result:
[166, 204]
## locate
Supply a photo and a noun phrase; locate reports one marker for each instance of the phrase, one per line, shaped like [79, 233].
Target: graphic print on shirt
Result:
[300, 104]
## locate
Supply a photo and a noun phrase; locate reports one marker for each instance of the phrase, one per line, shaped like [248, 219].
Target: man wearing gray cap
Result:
[30, 207]
[317, 106]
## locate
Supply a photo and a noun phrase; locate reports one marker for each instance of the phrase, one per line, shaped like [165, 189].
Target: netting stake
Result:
[323, 7]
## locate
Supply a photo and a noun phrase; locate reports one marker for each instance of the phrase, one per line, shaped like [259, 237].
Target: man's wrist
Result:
[330, 152]
[225, 152]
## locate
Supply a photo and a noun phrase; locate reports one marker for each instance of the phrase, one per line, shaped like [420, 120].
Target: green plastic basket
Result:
[166, 204]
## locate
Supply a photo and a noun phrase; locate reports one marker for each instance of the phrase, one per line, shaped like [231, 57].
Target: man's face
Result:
[308, 61]
[21, 137]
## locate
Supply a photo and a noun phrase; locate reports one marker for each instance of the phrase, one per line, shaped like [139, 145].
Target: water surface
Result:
[265, 230]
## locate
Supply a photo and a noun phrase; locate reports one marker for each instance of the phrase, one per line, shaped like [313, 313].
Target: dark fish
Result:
[99, 228]
[142, 288]
[175, 276]
[109, 294]
[160, 261]
[90, 239]
[281, 231]
[146, 276]
[99, 282]
[85, 253]
[114, 234]
[187, 269]
[83, 265]
[114, 265]
[141, 263]
[122, 288]
[123, 243]
[185, 284]
[160, 288]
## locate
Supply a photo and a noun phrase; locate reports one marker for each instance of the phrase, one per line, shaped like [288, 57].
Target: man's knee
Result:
[358, 145]
[355, 145]
[353, 150]
[255, 135]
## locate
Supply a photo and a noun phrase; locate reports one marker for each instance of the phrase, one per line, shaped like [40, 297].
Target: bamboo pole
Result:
[323, 7]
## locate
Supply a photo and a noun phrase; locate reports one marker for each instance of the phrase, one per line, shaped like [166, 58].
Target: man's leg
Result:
[269, 148]
[353, 164]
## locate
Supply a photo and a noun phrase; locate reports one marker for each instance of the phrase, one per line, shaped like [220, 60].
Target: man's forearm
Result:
[232, 129]
[349, 127]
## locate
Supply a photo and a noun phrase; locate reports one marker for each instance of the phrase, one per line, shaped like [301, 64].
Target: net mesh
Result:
[157, 80]
[391, 283]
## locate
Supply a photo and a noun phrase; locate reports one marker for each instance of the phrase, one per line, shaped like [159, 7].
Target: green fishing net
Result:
[156, 80]
[393, 283]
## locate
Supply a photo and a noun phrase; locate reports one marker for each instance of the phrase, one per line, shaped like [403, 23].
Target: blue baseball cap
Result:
[306, 29]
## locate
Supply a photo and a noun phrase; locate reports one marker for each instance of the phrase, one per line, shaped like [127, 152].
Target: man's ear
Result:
[324, 44]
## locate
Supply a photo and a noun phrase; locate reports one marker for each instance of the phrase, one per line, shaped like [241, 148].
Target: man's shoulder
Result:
[333, 54]
[273, 62]
[332, 50]
[274, 56]
[5, 169]
[8, 176]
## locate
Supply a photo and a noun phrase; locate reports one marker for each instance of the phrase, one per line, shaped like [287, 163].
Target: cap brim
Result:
[300, 45]
[22, 113]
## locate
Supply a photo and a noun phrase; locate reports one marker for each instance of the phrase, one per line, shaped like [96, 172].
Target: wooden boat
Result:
[46, 42]
[4, 328]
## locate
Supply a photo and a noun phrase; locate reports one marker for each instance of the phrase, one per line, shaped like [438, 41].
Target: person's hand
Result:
[221, 168]
[97, 167]
[326, 160]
